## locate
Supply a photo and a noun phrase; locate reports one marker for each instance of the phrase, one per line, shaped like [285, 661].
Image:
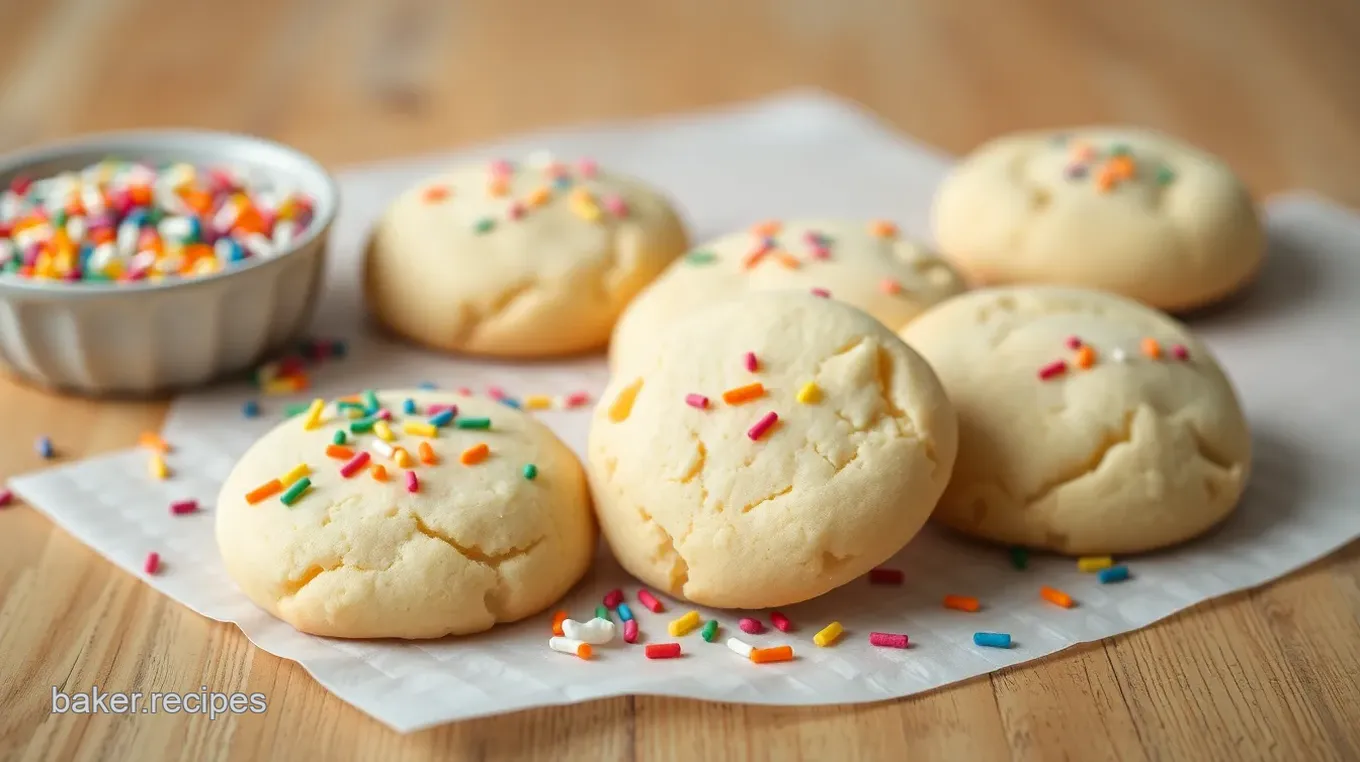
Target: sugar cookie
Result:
[748, 488]
[518, 260]
[371, 541]
[864, 264]
[1117, 209]
[1088, 423]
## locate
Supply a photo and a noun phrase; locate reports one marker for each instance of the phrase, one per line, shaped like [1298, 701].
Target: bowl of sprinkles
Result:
[136, 263]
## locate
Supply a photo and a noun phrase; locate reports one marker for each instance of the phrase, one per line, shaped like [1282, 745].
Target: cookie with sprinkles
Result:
[429, 528]
[788, 481]
[1126, 210]
[1089, 424]
[527, 258]
[865, 263]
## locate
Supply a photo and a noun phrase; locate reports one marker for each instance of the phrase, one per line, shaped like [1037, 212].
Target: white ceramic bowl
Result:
[141, 339]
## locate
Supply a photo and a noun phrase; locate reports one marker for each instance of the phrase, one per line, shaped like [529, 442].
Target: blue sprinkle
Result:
[251, 409]
[428, 386]
[409, 407]
[562, 181]
[625, 613]
[442, 418]
[45, 447]
[992, 639]
[1114, 574]
[508, 402]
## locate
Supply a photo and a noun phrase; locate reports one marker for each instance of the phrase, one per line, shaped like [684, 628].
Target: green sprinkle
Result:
[362, 425]
[701, 257]
[710, 630]
[297, 408]
[602, 613]
[1019, 558]
[484, 225]
[530, 471]
[1119, 149]
[1165, 175]
[294, 492]
[371, 403]
[347, 405]
[473, 423]
[338, 437]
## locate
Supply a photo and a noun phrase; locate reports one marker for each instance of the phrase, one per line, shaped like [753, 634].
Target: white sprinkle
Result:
[384, 449]
[284, 232]
[226, 217]
[259, 246]
[565, 645]
[7, 250]
[1118, 355]
[91, 198]
[175, 228]
[741, 647]
[596, 632]
[75, 228]
[128, 232]
[101, 257]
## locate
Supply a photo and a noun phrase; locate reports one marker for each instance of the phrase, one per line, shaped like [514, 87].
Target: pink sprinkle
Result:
[6, 497]
[577, 399]
[501, 167]
[463, 390]
[696, 400]
[616, 206]
[885, 576]
[153, 563]
[359, 460]
[650, 601]
[763, 425]
[587, 167]
[613, 598]
[1055, 368]
[820, 252]
[516, 210]
[1180, 352]
[780, 621]
[384, 415]
[751, 363]
[1073, 342]
[821, 293]
[181, 507]
[434, 410]
[412, 482]
[888, 639]
[495, 392]
[630, 631]
[751, 626]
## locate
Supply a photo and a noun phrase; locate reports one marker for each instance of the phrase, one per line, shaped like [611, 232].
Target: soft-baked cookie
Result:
[1117, 209]
[518, 260]
[864, 264]
[491, 524]
[768, 450]
[1088, 423]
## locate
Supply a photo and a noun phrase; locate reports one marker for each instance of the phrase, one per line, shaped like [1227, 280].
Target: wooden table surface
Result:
[1273, 86]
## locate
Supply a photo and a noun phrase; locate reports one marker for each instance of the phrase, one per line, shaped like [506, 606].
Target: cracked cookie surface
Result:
[531, 259]
[356, 557]
[1125, 210]
[701, 504]
[1133, 441]
[866, 265]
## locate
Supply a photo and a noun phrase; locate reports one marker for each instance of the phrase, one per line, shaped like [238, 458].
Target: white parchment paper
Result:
[1289, 344]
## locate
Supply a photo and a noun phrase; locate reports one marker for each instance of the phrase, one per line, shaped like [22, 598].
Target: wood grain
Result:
[1271, 86]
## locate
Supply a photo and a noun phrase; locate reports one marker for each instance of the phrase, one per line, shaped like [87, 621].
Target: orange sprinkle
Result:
[961, 603]
[436, 193]
[427, 454]
[271, 487]
[753, 259]
[768, 655]
[1083, 151]
[498, 187]
[1056, 597]
[539, 196]
[767, 228]
[1086, 357]
[1121, 167]
[474, 454]
[883, 229]
[890, 286]
[379, 473]
[339, 451]
[152, 441]
[1151, 348]
[558, 618]
[787, 260]
[743, 393]
[1106, 179]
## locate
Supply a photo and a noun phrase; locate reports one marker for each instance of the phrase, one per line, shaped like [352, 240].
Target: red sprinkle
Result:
[181, 507]
[153, 563]
[412, 482]
[885, 576]
[6, 497]
[1055, 368]
[1073, 342]
[696, 400]
[751, 626]
[1180, 352]
[577, 399]
[780, 622]
[650, 601]
[613, 598]
[888, 639]
[821, 293]
[630, 631]
[663, 650]
[751, 362]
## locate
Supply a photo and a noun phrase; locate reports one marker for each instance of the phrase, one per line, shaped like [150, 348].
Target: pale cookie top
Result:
[1125, 210]
[481, 536]
[535, 257]
[865, 264]
[743, 487]
[1084, 418]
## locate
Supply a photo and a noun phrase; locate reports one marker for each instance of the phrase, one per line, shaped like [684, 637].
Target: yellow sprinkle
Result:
[1094, 563]
[809, 394]
[537, 402]
[684, 624]
[585, 208]
[418, 428]
[298, 471]
[314, 411]
[828, 634]
[353, 414]
[279, 386]
[158, 468]
[384, 431]
[402, 457]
